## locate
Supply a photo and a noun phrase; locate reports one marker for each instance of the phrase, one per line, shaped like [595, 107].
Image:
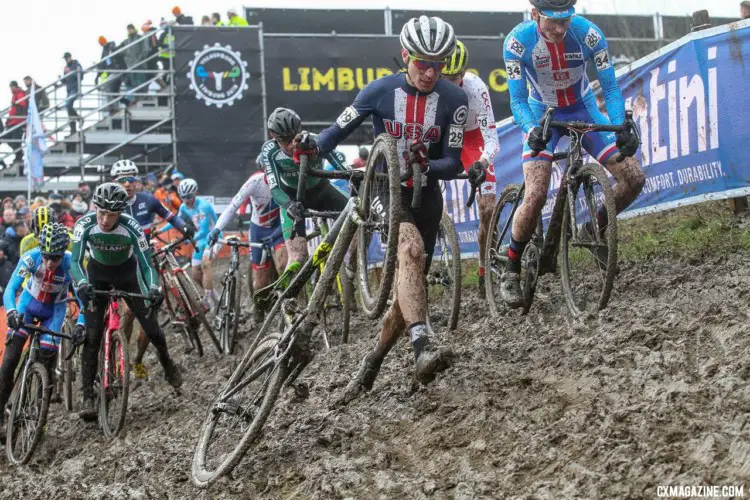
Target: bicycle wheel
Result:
[589, 259]
[380, 207]
[334, 317]
[180, 320]
[192, 296]
[67, 377]
[113, 396]
[496, 252]
[444, 279]
[230, 308]
[28, 414]
[241, 408]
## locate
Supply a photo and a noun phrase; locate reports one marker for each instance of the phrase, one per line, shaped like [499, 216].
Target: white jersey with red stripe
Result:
[556, 72]
[480, 132]
[265, 210]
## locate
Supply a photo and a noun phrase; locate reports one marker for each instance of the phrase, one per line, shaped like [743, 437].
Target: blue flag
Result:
[36, 144]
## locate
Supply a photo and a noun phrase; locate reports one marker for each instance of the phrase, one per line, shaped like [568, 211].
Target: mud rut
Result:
[653, 391]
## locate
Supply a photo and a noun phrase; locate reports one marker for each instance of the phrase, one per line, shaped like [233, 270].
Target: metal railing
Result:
[95, 103]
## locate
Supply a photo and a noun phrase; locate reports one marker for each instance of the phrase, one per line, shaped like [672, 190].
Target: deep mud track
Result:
[654, 391]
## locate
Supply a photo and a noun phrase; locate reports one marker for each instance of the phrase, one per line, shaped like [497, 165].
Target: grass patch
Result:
[688, 232]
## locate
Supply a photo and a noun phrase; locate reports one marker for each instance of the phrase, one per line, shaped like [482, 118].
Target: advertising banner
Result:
[320, 87]
[219, 108]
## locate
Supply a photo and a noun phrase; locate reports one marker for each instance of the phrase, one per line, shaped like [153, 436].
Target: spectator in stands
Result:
[181, 19]
[39, 201]
[111, 82]
[361, 161]
[167, 194]
[40, 95]
[151, 182]
[234, 19]
[58, 205]
[79, 207]
[138, 184]
[85, 191]
[176, 179]
[7, 203]
[19, 106]
[6, 266]
[216, 19]
[9, 217]
[206, 21]
[13, 236]
[19, 202]
[154, 47]
[73, 74]
[134, 55]
[745, 9]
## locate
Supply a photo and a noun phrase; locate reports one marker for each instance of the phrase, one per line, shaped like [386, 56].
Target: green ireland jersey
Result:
[112, 248]
[283, 175]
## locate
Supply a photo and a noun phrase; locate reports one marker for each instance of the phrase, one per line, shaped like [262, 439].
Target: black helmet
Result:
[285, 123]
[41, 217]
[110, 196]
[53, 239]
[555, 5]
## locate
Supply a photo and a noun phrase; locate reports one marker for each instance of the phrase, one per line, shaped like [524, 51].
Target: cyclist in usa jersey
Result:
[427, 116]
[480, 143]
[265, 225]
[549, 55]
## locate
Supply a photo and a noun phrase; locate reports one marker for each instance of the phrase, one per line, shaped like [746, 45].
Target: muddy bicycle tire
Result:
[192, 296]
[203, 477]
[374, 299]
[19, 407]
[447, 231]
[188, 332]
[495, 238]
[117, 348]
[230, 327]
[68, 369]
[598, 174]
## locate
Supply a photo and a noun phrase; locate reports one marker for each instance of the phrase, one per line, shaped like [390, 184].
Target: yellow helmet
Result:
[41, 217]
[458, 61]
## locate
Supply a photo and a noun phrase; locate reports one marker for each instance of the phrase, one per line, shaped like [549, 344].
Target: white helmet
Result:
[428, 37]
[187, 187]
[123, 167]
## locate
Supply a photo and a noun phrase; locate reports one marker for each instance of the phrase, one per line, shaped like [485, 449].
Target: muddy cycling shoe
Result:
[431, 361]
[172, 374]
[88, 409]
[510, 289]
[140, 372]
[362, 381]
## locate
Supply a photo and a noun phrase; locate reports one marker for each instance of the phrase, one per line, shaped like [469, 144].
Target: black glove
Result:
[78, 336]
[477, 174]
[85, 292]
[188, 231]
[15, 321]
[418, 154]
[304, 144]
[628, 142]
[155, 296]
[296, 210]
[537, 141]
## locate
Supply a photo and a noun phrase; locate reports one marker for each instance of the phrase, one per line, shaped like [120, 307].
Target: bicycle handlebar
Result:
[546, 122]
[119, 294]
[170, 246]
[41, 329]
[235, 242]
[349, 175]
[473, 191]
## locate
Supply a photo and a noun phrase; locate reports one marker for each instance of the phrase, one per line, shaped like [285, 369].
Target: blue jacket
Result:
[71, 77]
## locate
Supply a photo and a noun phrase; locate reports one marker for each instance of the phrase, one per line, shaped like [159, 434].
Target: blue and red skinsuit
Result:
[556, 76]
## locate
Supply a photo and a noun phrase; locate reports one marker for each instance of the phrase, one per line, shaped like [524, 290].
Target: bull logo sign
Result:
[218, 75]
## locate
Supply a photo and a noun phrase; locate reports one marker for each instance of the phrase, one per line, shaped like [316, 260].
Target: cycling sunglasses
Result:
[129, 179]
[52, 257]
[424, 64]
[188, 197]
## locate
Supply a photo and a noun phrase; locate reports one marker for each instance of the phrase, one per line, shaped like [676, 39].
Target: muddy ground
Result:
[653, 391]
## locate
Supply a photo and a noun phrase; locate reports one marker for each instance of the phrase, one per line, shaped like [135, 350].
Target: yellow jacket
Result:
[238, 21]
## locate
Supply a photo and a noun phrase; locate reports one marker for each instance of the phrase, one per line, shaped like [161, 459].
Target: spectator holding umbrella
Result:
[73, 73]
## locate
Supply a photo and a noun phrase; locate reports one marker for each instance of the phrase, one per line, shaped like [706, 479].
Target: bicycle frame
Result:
[112, 320]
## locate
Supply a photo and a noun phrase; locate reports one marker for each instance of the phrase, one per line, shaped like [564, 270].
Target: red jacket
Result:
[66, 219]
[19, 104]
